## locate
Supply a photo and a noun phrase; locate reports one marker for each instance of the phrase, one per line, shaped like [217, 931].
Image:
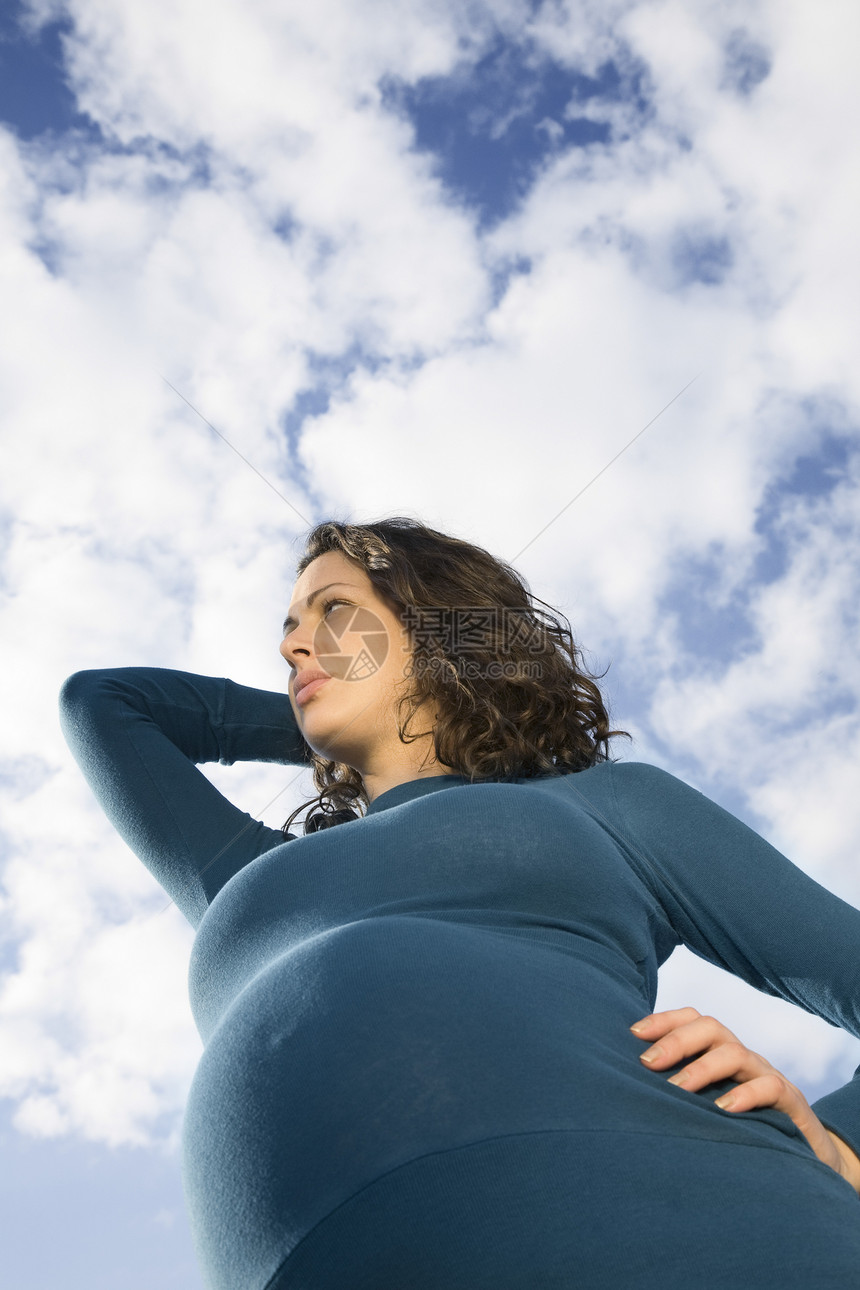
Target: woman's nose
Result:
[292, 646]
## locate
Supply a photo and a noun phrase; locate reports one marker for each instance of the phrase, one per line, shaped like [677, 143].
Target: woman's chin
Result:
[328, 748]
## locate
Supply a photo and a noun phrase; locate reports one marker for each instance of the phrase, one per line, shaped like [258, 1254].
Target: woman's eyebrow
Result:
[289, 621]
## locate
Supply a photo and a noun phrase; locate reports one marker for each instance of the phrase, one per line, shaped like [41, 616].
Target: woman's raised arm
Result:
[137, 733]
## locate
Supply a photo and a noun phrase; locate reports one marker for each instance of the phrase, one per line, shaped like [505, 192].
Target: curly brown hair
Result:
[519, 704]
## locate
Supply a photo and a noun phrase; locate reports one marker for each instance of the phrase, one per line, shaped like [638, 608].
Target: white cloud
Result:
[803, 663]
[258, 217]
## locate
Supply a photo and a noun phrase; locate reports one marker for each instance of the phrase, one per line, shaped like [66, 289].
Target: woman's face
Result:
[340, 626]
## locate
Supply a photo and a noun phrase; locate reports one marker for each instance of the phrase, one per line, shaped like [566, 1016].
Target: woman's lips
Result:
[306, 691]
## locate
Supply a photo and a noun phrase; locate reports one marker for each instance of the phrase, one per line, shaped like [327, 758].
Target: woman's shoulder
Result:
[625, 790]
[608, 776]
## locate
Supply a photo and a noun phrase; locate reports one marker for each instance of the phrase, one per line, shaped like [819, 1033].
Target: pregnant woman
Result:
[431, 1060]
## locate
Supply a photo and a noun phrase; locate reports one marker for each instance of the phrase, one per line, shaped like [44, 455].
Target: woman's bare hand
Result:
[718, 1054]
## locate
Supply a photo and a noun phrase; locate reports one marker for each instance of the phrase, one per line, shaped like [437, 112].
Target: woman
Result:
[424, 1023]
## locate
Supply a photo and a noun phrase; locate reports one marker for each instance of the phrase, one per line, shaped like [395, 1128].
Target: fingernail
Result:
[680, 1078]
[639, 1025]
[725, 1101]
[651, 1054]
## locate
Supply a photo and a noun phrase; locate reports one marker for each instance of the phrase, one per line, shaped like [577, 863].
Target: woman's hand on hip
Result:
[718, 1054]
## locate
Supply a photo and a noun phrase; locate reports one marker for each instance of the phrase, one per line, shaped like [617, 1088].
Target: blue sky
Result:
[446, 266]
[34, 96]
[488, 130]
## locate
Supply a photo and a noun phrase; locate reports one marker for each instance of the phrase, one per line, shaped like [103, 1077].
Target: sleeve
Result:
[138, 732]
[734, 900]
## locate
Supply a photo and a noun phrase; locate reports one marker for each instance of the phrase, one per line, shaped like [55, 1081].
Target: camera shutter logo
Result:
[351, 643]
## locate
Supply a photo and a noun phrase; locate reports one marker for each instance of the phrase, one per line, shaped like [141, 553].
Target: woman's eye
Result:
[327, 605]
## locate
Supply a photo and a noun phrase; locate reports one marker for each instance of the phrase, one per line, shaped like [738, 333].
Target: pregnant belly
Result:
[390, 1039]
[379, 1042]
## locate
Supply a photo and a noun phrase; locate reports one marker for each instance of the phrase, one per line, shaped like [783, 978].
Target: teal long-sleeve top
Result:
[454, 974]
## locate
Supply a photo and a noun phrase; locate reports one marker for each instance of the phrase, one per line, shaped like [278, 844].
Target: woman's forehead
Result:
[328, 570]
[327, 567]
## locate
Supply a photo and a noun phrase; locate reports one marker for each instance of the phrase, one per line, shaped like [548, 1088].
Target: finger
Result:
[686, 1040]
[770, 1089]
[727, 1061]
[658, 1023]
[774, 1090]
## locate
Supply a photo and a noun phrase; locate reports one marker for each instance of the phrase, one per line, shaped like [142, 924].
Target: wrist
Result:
[850, 1170]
